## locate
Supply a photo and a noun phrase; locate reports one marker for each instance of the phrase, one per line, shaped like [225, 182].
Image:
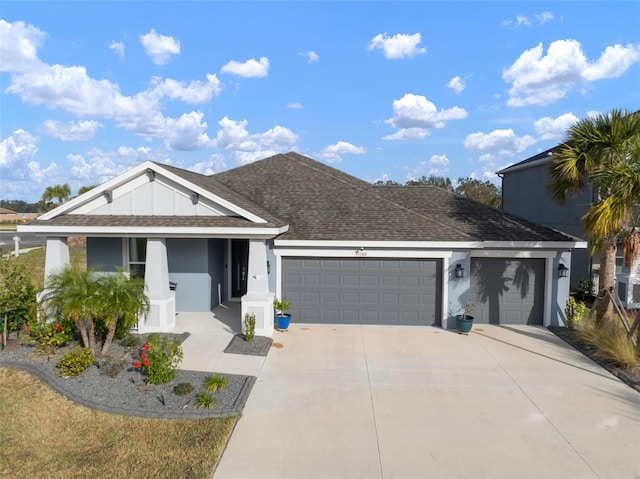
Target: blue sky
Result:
[380, 90]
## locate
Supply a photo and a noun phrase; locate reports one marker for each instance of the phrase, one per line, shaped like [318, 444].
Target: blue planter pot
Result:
[282, 321]
[464, 323]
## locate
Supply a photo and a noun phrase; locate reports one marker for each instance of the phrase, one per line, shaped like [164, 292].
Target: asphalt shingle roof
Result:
[322, 203]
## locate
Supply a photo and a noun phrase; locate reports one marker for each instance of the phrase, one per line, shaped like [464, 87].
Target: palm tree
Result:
[59, 192]
[73, 294]
[122, 298]
[604, 151]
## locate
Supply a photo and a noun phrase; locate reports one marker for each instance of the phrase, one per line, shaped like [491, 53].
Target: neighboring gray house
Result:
[341, 249]
[525, 193]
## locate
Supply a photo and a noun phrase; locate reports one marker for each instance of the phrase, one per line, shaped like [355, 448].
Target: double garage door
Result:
[363, 290]
[507, 290]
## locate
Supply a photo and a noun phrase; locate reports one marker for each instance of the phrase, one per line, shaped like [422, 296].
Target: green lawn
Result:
[34, 262]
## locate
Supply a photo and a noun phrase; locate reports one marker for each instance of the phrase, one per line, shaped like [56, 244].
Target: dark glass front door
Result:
[239, 267]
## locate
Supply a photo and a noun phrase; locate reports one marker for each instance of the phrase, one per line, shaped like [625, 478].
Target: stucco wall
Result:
[104, 253]
[189, 268]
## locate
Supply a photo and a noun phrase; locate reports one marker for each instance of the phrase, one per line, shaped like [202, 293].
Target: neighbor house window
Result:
[137, 256]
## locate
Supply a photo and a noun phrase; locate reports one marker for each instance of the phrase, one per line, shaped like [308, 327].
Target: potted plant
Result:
[464, 321]
[283, 318]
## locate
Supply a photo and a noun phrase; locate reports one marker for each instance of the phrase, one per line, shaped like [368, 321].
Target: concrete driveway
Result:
[374, 402]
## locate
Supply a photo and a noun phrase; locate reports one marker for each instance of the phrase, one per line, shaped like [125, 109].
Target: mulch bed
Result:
[629, 376]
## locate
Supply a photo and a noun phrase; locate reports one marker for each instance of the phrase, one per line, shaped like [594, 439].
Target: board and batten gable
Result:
[151, 195]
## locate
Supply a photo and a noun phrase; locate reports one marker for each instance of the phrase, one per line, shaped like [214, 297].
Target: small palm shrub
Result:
[130, 341]
[215, 382]
[183, 389]
[75, 362]
[205, 400]
[112, 367]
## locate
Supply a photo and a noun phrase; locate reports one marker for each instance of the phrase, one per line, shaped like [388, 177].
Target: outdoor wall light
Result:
[268, 267]
[563, 271]
[459, 271]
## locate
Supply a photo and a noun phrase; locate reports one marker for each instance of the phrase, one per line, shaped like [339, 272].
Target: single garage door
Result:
[363, 290]
[507, 290]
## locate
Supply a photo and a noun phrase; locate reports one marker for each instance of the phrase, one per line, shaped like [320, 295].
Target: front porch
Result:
[210, 333]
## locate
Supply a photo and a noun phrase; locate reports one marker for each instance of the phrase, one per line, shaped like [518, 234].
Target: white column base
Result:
[161, 317]
[260, 304]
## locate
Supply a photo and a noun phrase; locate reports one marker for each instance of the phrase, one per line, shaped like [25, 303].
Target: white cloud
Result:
[504, 142]
[398, 46]
[311, 56]
[539, 79]
[196, 92]
[439, 160]
[214, 164]
[295, 106]
[19, 43]
[458, 84]
[118, 47]
[246, 147]
[70, 131]
[333, 153]
[17, 150]
[418, 115]
[159, 47]
[522, 20]
[186, 133]
[555, 129]
[544, 17]
[249, 69]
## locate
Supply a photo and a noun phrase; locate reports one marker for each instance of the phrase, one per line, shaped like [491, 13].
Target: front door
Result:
[239, 267]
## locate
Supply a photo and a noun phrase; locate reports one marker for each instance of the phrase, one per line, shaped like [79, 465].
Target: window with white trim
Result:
[137, 256]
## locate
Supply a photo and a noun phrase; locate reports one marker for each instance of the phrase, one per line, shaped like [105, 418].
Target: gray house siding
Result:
[189, 269]
[525, 194]
[104, 253]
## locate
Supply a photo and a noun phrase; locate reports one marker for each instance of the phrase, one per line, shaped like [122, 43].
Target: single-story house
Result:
[342, 250]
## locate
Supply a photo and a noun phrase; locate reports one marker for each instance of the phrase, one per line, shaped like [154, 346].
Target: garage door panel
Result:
[364, 290]
[508, 291]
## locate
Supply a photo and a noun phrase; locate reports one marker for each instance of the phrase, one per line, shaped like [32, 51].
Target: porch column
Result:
[56, 256]
[162, 310]
[258, 300]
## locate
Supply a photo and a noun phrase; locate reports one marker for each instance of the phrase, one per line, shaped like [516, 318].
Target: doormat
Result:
[258, 347]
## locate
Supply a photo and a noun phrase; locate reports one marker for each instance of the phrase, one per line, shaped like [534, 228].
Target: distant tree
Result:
[84, 189]
[482, 191]
[20, 206]
[58, 192]
[432, 180]
[386, 183]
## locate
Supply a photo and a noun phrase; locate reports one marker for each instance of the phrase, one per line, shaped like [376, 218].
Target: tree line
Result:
[472, 188]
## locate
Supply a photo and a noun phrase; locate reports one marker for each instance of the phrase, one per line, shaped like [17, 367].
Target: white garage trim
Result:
[363, 253]
[512, 254]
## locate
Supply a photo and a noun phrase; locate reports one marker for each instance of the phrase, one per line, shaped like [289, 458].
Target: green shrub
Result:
[159, 359]
[249, 326]
[183, 389]
[17, 295]
[205, 400]
[75, 362]
[112, 367]
[575, 312]
[51, 335]
[215, 382]
[130, 341]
